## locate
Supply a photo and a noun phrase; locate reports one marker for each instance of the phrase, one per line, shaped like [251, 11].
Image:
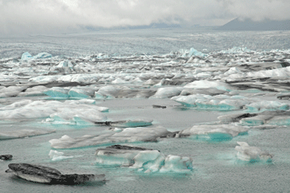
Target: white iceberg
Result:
[207, 102]
[143, 160]
[57, 156]
[214, 132]
[128, 135]
[252, 154]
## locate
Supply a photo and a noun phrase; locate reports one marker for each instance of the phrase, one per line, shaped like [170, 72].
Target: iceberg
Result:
[11, 91]
[252, 154]
[26, 56]
[57, 156]
[207, 102]
[128, 135]
[57, 92]
[28, 109]
[267, 105]
[201, 84]
[143, 159]
[42, 55]
[167, 92]
[214, 132]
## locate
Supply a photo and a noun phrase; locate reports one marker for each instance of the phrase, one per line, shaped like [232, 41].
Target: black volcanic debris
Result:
[6, 157]
[48, 175]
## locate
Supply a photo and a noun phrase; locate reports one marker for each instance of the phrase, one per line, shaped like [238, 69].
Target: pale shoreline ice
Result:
[154, 111]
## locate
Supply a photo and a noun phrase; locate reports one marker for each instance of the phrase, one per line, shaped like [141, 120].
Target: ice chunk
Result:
[251, 154]
[128, 135]
[167, 92]
[177, 164]
[207, 102]
[23, 133]
[268, 117]
[214, 132]
[26, 56]
[34, 91]
[57, 156]
[57, 92]
[11, 91]
[143, 160]
[208, 84]
[120, 81]
[77, 92]
[267, 105]
[109, 91]
[64, 67]
[67, 110]
[192, 52]
[42, 55]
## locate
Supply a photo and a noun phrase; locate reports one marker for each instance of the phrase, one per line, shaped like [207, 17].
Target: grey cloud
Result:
[40, 16]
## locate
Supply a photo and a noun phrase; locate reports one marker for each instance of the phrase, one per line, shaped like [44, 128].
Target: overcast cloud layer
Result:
[41, 16]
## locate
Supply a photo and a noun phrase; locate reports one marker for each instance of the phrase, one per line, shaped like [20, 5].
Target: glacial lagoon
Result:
[155, 110]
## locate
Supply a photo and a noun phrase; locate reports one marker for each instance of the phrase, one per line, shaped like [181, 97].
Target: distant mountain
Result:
[250, 25]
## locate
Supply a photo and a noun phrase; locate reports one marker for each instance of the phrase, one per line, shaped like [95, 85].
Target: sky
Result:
[44, 16]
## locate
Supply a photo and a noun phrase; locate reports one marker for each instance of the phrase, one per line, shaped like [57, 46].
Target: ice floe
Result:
[143, 160]
[128, 135]
[67, 110]
[214, 132]
[208, 102]
[251, 154]
[57, 155]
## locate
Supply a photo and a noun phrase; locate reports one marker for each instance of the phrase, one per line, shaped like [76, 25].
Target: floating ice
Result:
[57, 156]
[42, 55]
[207, 102]
[267, 105]
[143, 160]
[251, 154]
[281, 73]
[11, 91]
[28, 109]
[167, 92]
[63, 67]
[192, 52]
[23, 133]
[57, 92]
[34, 91]
[208, 84]
[214, 132]
[128, 135]
[28, 56]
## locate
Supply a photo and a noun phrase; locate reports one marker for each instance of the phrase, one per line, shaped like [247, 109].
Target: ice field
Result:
[154, 110]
